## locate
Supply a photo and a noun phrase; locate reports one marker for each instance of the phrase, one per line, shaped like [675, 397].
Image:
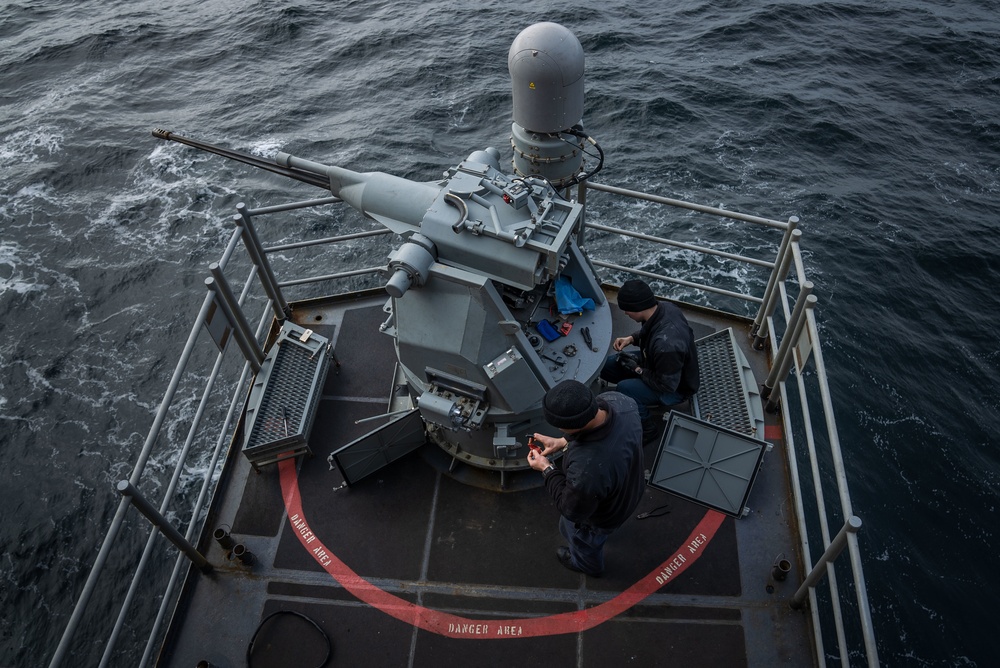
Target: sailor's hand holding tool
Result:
[538, 461]
[621, 342]
[549, 444]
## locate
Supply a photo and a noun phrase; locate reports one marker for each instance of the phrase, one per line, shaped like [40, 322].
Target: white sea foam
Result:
[266, 148]
[32, 145]
[166, 207]
[16, 273]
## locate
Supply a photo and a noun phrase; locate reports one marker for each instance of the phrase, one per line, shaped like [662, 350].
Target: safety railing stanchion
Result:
[786, 350]
[241, 328]
[126, 489]
[770, 299]
[264, 271]
[837, 546]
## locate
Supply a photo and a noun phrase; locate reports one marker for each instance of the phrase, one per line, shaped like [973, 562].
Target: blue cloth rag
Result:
[569, 300]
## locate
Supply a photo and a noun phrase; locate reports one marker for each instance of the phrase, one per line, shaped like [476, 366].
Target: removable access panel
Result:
[709, 465]
[379, 448]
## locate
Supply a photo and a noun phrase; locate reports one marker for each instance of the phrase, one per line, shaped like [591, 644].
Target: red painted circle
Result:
[454, 626]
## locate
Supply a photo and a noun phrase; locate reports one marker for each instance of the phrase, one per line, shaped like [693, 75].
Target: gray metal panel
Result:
[379, 448]
[515, 380]
[705, 464]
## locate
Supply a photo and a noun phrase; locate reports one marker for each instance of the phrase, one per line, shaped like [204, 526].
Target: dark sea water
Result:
[875, 122]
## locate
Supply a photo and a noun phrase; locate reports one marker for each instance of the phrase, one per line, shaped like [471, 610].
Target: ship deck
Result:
[409, 567]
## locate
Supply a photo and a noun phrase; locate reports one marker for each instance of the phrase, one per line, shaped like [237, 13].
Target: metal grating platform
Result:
[728, 395]
[284, 396]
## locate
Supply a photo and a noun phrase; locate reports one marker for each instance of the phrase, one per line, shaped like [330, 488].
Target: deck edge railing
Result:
[219, 295]
[798, 317]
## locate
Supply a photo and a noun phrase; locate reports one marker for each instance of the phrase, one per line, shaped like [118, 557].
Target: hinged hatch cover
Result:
[709, 465]
[379, 448]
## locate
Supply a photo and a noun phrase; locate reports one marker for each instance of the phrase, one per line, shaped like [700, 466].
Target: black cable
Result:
[654, 513]
[583, 149]
[329, 647]
[577, 131]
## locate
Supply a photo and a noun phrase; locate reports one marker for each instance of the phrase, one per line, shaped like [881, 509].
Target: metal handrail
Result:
[675, 281]
[691, 206]
[202, 496]
[680, 244]
[788, 257]
[798, 316]
[250, 241]
[172, 486]
[112, 534]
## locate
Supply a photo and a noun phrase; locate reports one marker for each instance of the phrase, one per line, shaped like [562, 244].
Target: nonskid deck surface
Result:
[409, 567]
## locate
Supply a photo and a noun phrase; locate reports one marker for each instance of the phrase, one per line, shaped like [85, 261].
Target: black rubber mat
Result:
[640, 643]
[367, 357]
[379, 526]
[359, 636]
[494, 539]
[483, 538]
[640, 546]
[261, 508]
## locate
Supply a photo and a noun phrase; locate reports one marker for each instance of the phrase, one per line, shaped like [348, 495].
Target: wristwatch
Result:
[548, 469]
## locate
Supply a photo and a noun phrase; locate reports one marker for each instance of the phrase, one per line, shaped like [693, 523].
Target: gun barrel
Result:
[320, 180]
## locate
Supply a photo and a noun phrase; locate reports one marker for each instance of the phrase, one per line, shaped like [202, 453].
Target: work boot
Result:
[566, 559]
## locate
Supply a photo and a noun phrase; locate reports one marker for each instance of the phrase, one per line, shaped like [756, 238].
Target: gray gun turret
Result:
[479, 285]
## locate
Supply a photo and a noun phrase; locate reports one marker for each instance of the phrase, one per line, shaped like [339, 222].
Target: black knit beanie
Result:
[635, 296]
[569, 405]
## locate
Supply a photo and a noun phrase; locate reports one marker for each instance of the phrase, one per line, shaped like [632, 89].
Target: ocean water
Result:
[875, 123]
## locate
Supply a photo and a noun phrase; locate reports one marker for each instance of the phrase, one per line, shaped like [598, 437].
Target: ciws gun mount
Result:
[491, 300]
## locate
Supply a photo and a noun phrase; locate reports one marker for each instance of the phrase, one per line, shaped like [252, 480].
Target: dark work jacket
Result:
[670, 359]
[602, 477]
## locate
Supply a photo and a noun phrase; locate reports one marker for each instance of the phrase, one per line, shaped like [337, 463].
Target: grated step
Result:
[728, 395]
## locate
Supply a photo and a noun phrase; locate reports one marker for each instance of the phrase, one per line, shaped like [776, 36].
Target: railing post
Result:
[837, 546]
[781, 264]
[109, 538]
[125, 488]
[783, 360]
[241, 329]
[259, 258]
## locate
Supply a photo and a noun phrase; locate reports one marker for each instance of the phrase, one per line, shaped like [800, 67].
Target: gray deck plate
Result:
[478, 554]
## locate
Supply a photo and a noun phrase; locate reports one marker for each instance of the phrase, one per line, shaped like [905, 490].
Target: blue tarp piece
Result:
[569, 300]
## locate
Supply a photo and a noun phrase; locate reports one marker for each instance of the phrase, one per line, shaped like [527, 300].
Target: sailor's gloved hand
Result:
[628, 361]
